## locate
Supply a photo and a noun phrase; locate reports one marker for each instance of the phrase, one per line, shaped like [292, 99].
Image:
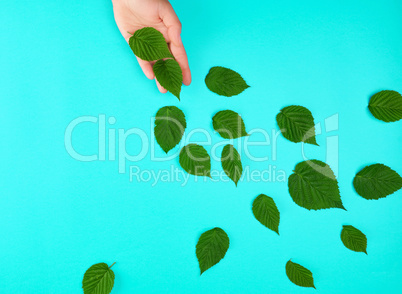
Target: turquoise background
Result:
[63, 59]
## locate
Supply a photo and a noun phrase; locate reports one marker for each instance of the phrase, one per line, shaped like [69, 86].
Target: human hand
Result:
[132, 15]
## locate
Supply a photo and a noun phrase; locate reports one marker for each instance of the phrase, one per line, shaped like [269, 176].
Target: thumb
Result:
[172, 22]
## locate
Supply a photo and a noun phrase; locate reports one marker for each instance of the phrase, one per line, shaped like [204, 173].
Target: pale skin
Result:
[132, 15]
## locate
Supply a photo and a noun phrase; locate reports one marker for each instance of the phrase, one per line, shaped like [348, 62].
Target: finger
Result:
[181, 57]
[173, 24]
[161, 89]
[146, 68]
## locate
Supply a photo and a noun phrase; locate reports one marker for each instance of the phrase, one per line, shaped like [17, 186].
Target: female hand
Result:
[132, 15]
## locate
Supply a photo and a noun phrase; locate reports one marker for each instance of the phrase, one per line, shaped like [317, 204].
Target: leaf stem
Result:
[112, 265]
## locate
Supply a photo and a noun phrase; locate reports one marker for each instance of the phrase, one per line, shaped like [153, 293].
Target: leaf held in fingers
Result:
[377, 181]
[224, 81]
[386, 106]
[354, 239]
[266, 212]
[313, 185]
[149, 44]
[211, 248]
[231, 163]
[169, 75]
[297, 124]
[170, 124]
[195, 160]
[98, 279]
[229, 124]
[299, 275]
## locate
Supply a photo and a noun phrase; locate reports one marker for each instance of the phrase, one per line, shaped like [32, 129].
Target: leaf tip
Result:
[311, 142]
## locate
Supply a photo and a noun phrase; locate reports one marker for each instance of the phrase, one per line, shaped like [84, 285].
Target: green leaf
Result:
[231, 163]
[313, 185]
[169, 75]
[98, 279]
[297, 124]
[195, 160]
[299, 275]
[354, 239]
[229, 124]
[266, 212]
[149, 44]
[377, 181]
[170, 124]
[386, 106]
[224, 81]
[211, 248]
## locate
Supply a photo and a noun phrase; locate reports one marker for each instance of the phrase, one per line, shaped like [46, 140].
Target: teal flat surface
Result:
[61, 60]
